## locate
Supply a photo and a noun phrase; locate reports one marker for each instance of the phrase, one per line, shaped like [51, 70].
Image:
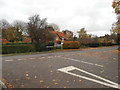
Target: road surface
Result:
[92, 68]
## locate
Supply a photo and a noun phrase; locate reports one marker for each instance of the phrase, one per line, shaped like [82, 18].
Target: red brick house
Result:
[59, 36]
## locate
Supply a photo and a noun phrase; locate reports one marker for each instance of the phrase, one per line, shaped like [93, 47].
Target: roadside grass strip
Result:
[106, 81]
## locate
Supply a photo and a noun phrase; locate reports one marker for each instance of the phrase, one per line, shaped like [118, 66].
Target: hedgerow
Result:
[71, 45]
[7, 49]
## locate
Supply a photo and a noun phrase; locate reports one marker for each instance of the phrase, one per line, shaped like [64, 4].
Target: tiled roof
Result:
[59, 34]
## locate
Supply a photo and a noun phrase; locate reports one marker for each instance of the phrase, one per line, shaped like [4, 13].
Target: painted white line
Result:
[82, 61]
[31, 58]
[42, 57]
[21, 59]
[9, 60]
[70, 68]
[50, 57]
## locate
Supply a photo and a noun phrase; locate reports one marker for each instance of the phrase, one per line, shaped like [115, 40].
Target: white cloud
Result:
[94, 15]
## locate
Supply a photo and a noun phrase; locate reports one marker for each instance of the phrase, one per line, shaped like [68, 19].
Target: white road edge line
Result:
[8, 60]
[20, 59]
[31, 58]
[70, 68]
[82, 61]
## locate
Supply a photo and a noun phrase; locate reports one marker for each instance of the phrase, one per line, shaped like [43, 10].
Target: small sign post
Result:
[62, 42]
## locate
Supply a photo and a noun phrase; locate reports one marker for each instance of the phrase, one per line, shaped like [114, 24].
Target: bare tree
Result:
[55, 26]
[21, 26]
[4, 25]
[38, 31]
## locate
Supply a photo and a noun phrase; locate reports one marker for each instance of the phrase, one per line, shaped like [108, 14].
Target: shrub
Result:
[106, 44]
[6, 49]
[71, 45]
[51, 43]
[14, 43]
[94, 44]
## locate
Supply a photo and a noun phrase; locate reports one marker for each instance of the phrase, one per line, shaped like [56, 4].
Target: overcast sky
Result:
[95, 15]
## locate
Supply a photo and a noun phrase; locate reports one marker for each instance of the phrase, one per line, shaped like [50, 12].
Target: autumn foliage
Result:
[71, 45]
[4, 41]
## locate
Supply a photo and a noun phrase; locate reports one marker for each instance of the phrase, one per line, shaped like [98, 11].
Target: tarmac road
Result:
[93, 68]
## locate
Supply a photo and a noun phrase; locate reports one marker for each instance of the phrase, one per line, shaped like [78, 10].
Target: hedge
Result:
[17, 43]
[7, 49]
[96, 44]
[71, 45]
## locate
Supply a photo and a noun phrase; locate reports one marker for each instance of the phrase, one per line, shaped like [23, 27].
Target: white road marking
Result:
[31, 58]
[41, 58]
[21, 59]
[82, 61]
[70, 68]
[50, 57]
[9, 60]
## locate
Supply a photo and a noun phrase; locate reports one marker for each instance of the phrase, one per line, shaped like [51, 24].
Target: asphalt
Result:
[93, 68]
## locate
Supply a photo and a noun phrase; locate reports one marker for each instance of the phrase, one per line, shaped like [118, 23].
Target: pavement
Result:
[90, 68]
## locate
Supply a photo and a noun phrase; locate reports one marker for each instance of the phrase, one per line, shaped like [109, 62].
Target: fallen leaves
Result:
[35, 77]
[22, 85]
[28, 78]
[65, 87]
[53, 80]
[48, 87]
[55, 83]
[67, 81]
[41, 81]
[27, 75]
[51, 71]
[102, 71]
[17, 79]
[7, 84]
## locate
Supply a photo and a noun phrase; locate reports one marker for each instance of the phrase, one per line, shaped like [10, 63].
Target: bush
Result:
[7, 49]
[51, 43]
[16, 43]
[94, 44]
[71, 45]
[42, 47]
[106, 44]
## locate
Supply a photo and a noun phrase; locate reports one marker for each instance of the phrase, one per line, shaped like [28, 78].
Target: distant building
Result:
[59, 36]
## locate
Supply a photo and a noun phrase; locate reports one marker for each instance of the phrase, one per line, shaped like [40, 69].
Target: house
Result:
[59, 37]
